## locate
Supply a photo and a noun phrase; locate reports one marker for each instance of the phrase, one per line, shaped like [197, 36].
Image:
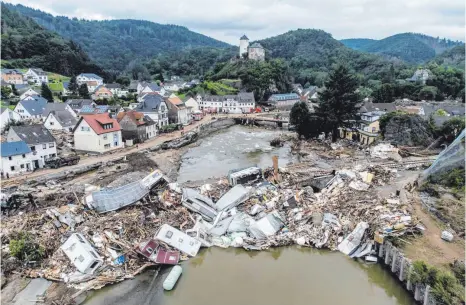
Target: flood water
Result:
[289, 275]
[232, 148]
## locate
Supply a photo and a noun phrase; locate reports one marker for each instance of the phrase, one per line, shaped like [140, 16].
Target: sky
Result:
[227, 20]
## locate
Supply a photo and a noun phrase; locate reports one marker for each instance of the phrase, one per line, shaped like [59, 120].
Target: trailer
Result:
[62, 161]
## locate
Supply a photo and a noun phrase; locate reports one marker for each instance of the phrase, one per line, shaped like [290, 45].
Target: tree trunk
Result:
[334, 134]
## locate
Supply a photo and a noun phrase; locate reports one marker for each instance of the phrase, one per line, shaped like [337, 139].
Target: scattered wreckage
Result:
[115, 233]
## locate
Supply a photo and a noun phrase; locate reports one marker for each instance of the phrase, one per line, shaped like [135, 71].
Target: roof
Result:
[113, 86]
[136, 117]
[76, 104]
[369, 106]
[246, 97]
[256, 45]
[284, 97]
[152, 86]
[452, 109]
[90, 75]
[11, 71]
[34, 106]
[96, 122]
[244, 37]
[148, 120]
[91, 109]
[133, 85]
[33, 134]
[14, 148]
[175, 101]
[38, 71]
[65, 118]
[65, 85]
[2, 109]
[150, 103]
[54, 107]
[410, 109]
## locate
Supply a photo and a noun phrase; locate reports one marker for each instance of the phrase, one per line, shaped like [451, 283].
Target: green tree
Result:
[452, 128]
[300, 118]
[73, 86]
[428, 93]
[46, 93]
[6, 91]
[338, 100]
[83, 91]
[385, 94]
[123, 80]
[14, 90]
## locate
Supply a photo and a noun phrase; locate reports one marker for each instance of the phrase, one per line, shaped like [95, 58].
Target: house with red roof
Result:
[178, 113]
[136, 126]
[98, 133]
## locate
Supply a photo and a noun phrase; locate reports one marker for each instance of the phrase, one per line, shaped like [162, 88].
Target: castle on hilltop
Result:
[254, 51]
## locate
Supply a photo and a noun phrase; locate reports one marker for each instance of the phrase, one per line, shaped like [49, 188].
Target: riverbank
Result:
[348, 203]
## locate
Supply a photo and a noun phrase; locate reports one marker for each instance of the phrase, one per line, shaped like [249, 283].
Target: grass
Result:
[219, 88]
[56, 78]
[58, 87]
[12, 107]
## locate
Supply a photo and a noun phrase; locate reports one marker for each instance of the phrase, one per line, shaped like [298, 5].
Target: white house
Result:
[7, 116]
[144, 87]
[36, 76]
[154, 107]
[31, 107]
[60, 120]
[89, 77]
[173, 86]
[284, 101]
[28, 92]
[49, 107]
[192, 103]
[115, 88]
[41, 142]
[177, 111]
[16, 158]
[243, 102]
[97, 133]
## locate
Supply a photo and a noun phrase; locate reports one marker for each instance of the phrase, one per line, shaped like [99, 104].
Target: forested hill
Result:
[452, 58]
[410, 47]
[312, 53]
[27, 44]
[115, 43]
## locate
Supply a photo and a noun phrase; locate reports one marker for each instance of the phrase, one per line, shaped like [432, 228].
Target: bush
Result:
[24, 248]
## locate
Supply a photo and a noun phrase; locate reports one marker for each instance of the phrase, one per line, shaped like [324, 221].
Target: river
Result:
[289, 275]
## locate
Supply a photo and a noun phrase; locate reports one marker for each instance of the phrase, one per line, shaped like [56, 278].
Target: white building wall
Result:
[193, 104]
[29, 92]
[23, 113]
[80, 79]
[243, 47]
[183, 117]
[52, 123]
[151, 131]
[7, 116]
[85, 139]
[21, 164]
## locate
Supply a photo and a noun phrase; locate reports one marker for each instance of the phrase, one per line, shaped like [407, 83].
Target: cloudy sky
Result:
[227, 20]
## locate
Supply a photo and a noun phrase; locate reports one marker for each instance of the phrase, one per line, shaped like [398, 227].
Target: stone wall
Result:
[208, 128]
[401, 267]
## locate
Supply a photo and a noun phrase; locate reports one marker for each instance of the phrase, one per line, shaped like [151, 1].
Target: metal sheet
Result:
[352, 241]
[233, 197]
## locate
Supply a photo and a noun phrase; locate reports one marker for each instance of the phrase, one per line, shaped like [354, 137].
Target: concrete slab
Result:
[28, 295]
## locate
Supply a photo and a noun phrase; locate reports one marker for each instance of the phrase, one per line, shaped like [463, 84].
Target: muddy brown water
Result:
[289, 275]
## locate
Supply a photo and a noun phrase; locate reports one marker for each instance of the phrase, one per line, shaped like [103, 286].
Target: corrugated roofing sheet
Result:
[14, 148]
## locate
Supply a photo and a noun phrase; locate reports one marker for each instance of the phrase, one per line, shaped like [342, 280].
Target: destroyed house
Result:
[244, 175]
[116, 198]
[199, 204]
[82, 254]
[178, 240]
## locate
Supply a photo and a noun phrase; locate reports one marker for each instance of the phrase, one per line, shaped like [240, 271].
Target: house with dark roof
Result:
[7, 116]
[102, 92]
[60, 120]
[41, 142]
[136, 127]
[77, 104]
[57, 107]
[27, 91]
[97, 133]
[31, 108]
[369, 107]
[83, 78]
[36, 76]
[283, 101]
[115, 88]
[145, 87]
[16, 158]
[155, 107]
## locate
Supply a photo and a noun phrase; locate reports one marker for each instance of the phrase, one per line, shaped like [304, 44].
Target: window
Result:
[51, 145]
[149, 249]
[24, 156]
[107, 146]
[180, 240]
[94, 264]
[12, 168]
[80, 238]
[51, 123]
[83, 128]
[22, 165]
[169, 234]
[44, 146]
[10, 158]
[33, 148]
[105, 137]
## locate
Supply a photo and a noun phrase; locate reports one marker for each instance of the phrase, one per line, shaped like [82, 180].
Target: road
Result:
[117, 153]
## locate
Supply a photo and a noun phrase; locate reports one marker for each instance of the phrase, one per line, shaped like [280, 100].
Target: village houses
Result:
[242, 102]
[57, 107]
[154, 106]
[97, 133]
[136, 127]
[283, 101]
[84, 78]
[115, 88]
[28, 92]
[60, 120]
[77, 104]
[192, 103]
[7, 116]
[177, 111]
[102, 92]
[16, 158]
[144, 87]
[12, 76]
[36, 76]
[41, 142]
[31, 108]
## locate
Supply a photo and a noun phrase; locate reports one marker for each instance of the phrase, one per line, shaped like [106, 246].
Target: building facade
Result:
[97, 133]
[12, 76]
[36, 76]
[16, 158]
[89, 77]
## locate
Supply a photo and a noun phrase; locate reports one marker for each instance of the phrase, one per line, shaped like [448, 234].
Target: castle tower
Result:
[243, 45]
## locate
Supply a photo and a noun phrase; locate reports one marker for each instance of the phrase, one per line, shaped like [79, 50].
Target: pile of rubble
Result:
[111, 234]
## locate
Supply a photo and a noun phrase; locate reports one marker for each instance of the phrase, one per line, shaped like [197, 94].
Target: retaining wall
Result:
[208, 128]
[401, 267]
